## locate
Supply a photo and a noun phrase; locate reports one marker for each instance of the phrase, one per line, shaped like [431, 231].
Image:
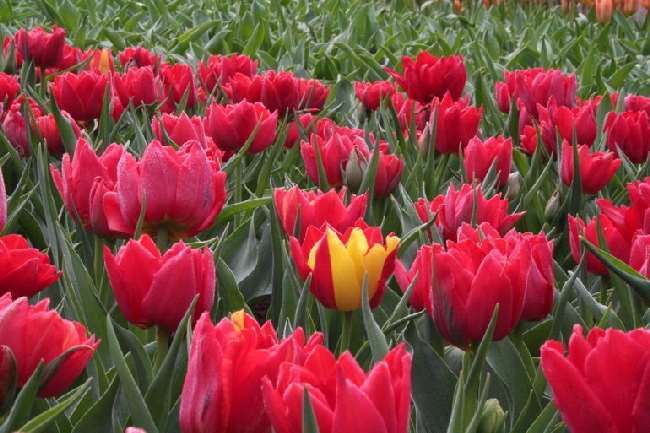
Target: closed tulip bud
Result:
[339, 262]
[422, 269]
[179, 129]
[157, 289]
[14, 127]
[587, 396]
[457, 122]
[231, 126]
[427, 76]
[138, 57]
[134, 430]
[35, 334]
[629, 132]
[41, 47]
[389, 172]
[218, 69]
[410, 113]
[9, 88]
[139, 86]
[514, 185]
[178, 81]
[355, 170]
[479, 156]
[8, 377]
[49, 131]
[596, 168]
[372, 93]
[297, 208]
[493, 417]
[81, 95]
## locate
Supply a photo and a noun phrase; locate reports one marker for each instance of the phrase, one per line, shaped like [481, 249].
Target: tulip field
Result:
[294, 216]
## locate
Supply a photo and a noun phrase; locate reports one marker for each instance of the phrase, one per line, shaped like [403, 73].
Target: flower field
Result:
[286, 216]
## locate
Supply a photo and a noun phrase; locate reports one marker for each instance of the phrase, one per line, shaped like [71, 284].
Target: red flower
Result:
[371, 93]
[43, 48]
[629, 132]
[344, 398]
[637, 103]
[640, 254]
[157, 289]
[479, 156]
[427, 76]
[71, 56]
[138, 57]
[178, 81]
[9, 88]
[455, 208]
[24, 271]
[179, 129]
[409, 112]
[227, 364]
[590, 396]
[219, 69]
[36, 333]
[81, 95]
[3, 202]
[422, 267]
[299, 209]
[312, 94]
[231, 126]
[182, 190]
[389, 172]
[582, 119]
[299, 128]
[457, 123]
[49, 131]
[14, 127]
[596, 168]
[139, 86]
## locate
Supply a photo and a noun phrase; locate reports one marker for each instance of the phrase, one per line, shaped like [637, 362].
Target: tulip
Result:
[338, 263]
[313, 94]
[182, 191]
[479, 156]
[41, 47]
[637, 103]
[231, 126]
[581, 119]
[640, 254]
[422, 269]
[139, 86]
[218, 69]
[372, 93]
[83, 181]
[14, 128]
[596, 168]
[227, 363]
[502, 96]
[629, 132]
[7, 377]
[36, 333]
[81, 95]
[457, 123]
[3, 202]
[299, 128]
[604, 10]
[179, 129]
[157, 289]
[101, 60]
[344, 398]
[298, 209]
[9, 88]
[590, 396]
[178, 81]
[456, 206]
[138, 57]
[24, 271]
[409, 112]
[70, 57]
[49, 131]
[334, 154]
[427, 76]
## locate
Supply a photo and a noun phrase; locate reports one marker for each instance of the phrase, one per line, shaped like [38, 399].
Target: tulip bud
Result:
[514, 185]
[7, 377]
[552, 207]
[492, 417]
[354, 171]
[604, 10]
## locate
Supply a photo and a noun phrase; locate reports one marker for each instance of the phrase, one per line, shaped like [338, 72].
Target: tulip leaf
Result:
[506, 361]
[546, 418]
[376, 338]
[24, 402]
[478, 360]
[229, 295]
[99, 418]
[68, 138]
[309, 423]
[246, 206]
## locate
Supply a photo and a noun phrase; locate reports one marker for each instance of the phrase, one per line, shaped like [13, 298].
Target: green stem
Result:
[346, 331]
[162, 239]
[162, 346]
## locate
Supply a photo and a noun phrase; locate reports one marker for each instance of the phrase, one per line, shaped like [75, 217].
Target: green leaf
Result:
[376, 338]
[22, 407]
[309, 423]
[43, 420]
[99, 418]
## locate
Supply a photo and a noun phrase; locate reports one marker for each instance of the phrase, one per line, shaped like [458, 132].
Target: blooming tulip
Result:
[456, 124]
[630, 132]
[479, 156]
[604, 10]
[344, 398]
[637, 103]
[139, 86]
[590, 396]
[179, 129]
[299, 128]
[138, 57]
[101, 60]
[232, 125]
[157, 289]
[596, 168]
[36, 333]
[410, 113]
[427, 76]
[219, 69]
[338, 262]
[371, 93]
[49, 131]
[3, 202]
[298, 209]
[14, 128]
[227, 362]
[178, 81]
[24, 271]
[312, 94]
[9, 88]
[41, 47]
[422, 269]
[640, 254]
[70, 57]
[81, 95]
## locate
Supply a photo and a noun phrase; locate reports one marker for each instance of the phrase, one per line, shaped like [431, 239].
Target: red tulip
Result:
[41, 47]
[338, 262]
[298, 209]
[182, 191]
[138, 57]
[299, 128]
[83, 182]
[582, 119]
[629, 132]
[640, 254]
[457, 123]
[34, 333]
[231, 126]
[596, 168]
[9, 88]
[389, 172]
[409, 112]
[178, 81]
[589, 393]
[7, 375]
[422, 269]
[24, 271]
[427, 76]
[456, 206]
[218, 69]
[637, 103]
[3, 202]
[179, 129]
[372, 93]
[313, 94]
[479, 156]
[139, 86]
[14, 128]
[227, 363]
[157, 289]
[70, 57]
[81, 95]
[344, 398]
[502, 96]
[49, 131]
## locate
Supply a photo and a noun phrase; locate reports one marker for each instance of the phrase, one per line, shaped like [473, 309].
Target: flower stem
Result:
[346, 331]
[162, 346]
